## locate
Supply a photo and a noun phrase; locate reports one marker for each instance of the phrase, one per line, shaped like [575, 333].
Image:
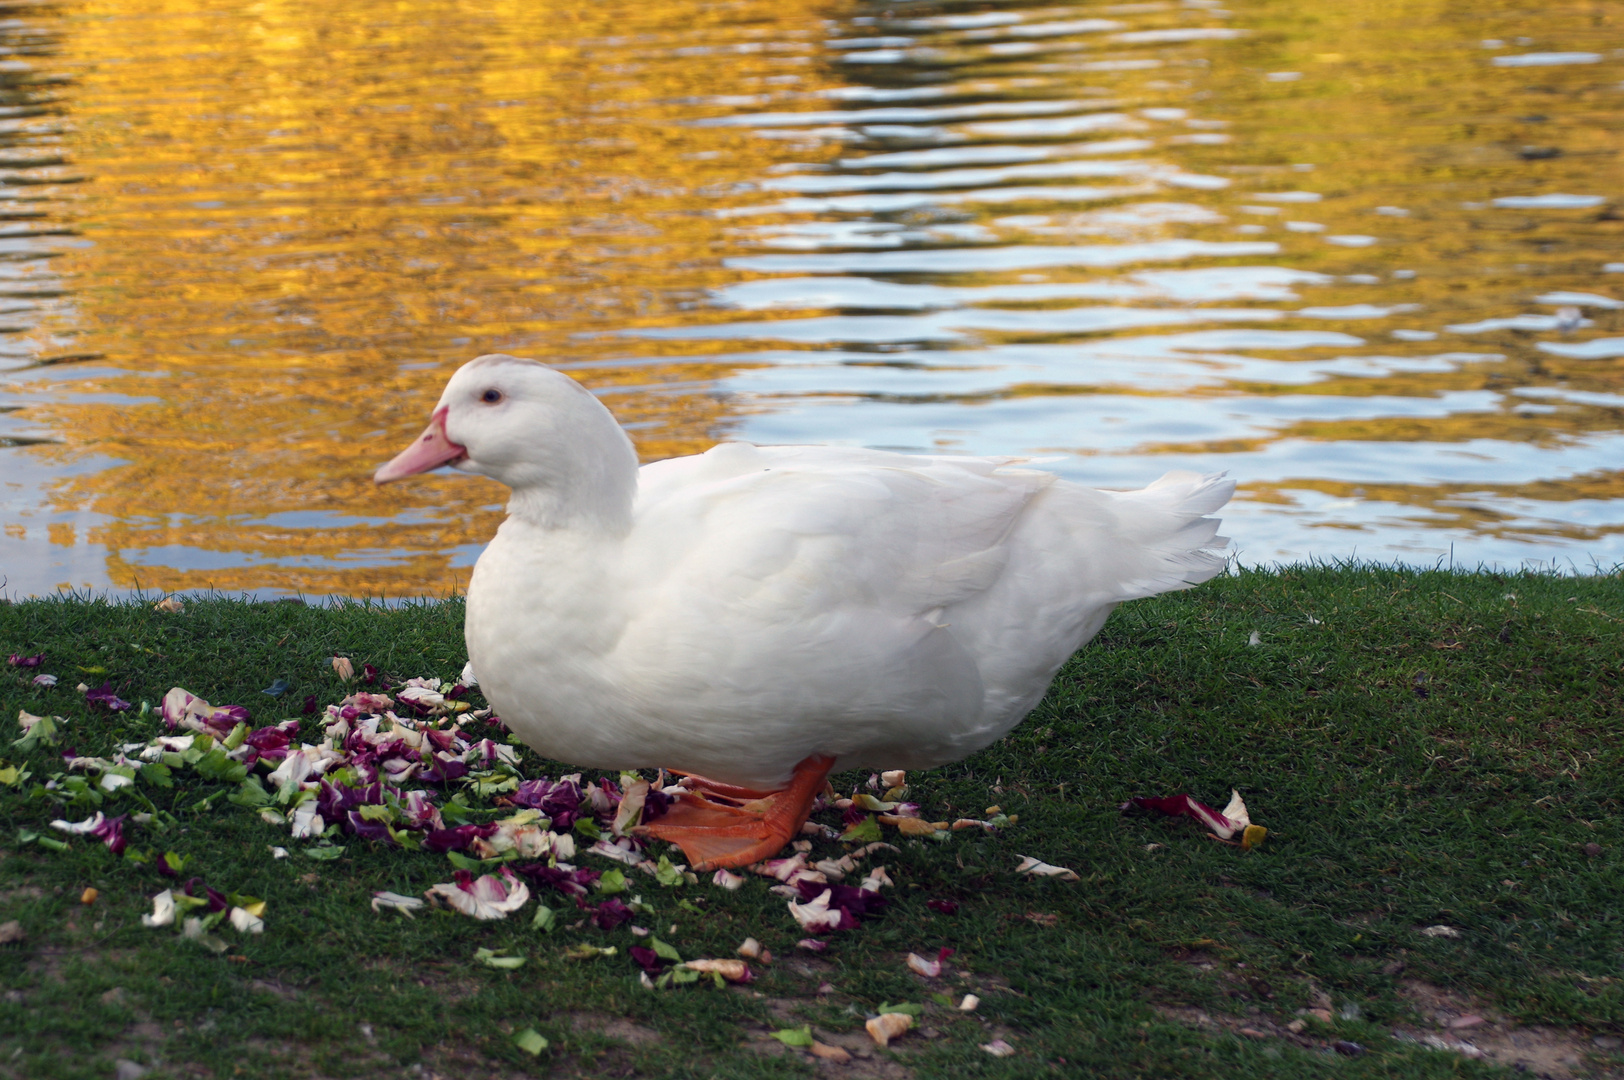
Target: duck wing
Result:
[783, 602]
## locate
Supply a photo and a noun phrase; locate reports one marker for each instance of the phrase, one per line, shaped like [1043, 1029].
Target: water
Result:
[1366, 257]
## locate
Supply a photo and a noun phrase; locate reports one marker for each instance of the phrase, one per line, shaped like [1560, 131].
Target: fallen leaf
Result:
[88, 896]
[1440, 931]
[801, 1036]
[584, 951]
[487, 897]
[530, 1041]
[490, 959]
[163, 910]
[1040, 868]
[392, 901]
[1232, 820]
[11, 932]
[887, 1026]
[1253, 836]
[731, 970]
[246, 922]
[998, 1048]
[970, 1003]
[829, 1053]
[193, 930]
[170, 604]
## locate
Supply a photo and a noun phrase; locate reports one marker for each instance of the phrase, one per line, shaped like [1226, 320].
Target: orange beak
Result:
[430, 450]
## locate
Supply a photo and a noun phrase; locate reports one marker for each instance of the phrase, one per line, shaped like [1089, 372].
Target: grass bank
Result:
[1426, 749]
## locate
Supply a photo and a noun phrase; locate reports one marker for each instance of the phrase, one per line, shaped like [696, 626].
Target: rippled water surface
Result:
[1366, 256]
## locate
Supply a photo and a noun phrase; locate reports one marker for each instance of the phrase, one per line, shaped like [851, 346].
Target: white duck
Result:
[762, 615]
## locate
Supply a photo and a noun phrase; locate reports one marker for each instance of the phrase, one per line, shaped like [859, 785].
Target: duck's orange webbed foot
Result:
[718, 836]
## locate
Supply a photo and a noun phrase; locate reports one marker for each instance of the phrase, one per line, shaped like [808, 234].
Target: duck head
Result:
[538, 431]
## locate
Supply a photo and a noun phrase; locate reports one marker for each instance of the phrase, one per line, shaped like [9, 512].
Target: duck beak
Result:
[430, 450]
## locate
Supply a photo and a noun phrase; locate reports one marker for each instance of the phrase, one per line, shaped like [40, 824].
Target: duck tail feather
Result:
[1181, 545]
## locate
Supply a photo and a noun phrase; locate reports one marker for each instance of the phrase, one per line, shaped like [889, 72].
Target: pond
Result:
[1366, 256]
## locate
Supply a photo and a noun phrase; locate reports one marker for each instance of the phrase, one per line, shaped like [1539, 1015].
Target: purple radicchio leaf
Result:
[111, 833]
[568, 882]
[420, 812]
[459, 838]
[103, 695]
[442, 768]
[369, 830]
[560, 801]
[217, 899]
[1183, 805]
[19, 660]
[611, 913]
[852, 902]
[655, 804]
[271, 742]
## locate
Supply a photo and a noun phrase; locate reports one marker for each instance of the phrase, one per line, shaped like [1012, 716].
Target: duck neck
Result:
[591, 493]
[552, 510]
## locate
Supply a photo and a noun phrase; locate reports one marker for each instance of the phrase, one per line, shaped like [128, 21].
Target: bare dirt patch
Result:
[611, 1027]
[1456, 1023]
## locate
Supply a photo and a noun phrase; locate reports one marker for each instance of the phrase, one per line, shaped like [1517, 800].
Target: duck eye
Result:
[491, 396]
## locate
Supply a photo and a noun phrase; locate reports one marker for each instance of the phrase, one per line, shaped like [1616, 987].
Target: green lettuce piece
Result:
[251, 794]
[44, 730]
[866, 831]
[584, 951]
[158, 774]
[505, 963]
[468, 862]
[666, 874]
[215, 765]
[530, 1041]
[801, 1036]
[612, 881]
[906, 1007]
[664, 951]
[325, 854]
[545, 919]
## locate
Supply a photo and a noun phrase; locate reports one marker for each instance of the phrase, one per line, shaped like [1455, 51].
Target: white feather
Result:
[735, 612]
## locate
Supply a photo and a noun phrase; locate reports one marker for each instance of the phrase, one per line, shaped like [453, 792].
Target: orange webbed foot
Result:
[716, 836]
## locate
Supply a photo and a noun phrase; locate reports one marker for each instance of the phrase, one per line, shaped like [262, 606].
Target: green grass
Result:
[1430, 751]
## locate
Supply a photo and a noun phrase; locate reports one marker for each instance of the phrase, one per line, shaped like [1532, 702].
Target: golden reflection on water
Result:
[298, 217]
[305, 214]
